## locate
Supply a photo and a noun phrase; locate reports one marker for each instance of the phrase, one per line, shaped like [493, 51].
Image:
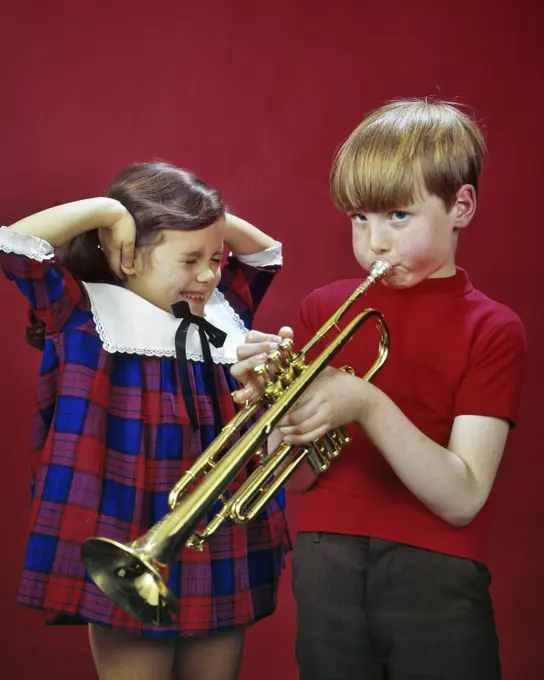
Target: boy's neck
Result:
[444, 272]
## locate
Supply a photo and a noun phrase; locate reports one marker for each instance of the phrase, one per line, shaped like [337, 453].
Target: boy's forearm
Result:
[245, 239]
[436, 476]
[60, 224]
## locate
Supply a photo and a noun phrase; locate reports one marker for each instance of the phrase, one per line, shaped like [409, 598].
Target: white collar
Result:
[127, 323]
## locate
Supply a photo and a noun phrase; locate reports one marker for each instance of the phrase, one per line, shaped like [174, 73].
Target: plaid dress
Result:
[111, 436]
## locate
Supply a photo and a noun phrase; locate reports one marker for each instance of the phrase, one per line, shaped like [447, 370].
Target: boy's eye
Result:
[359, 218]
[399, 215]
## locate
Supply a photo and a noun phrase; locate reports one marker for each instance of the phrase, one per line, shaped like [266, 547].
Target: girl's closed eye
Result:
[215, 260]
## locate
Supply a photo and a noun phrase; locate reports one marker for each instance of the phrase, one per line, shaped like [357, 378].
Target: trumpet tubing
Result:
[135, 575]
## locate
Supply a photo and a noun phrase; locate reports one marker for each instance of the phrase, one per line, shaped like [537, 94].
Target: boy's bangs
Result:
[374, 182]
[403, 150]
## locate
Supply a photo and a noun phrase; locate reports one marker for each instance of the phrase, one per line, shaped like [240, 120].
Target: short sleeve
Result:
[51, 292]
[312, 312]
[306, 323]
[492, 383]
[245, 279]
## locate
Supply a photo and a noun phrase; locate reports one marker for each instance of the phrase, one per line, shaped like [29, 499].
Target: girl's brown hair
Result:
[159, 196]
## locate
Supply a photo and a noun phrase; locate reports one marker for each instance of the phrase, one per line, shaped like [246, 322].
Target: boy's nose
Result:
[379, 242]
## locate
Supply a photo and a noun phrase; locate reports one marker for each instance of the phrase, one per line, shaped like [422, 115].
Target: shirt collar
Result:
[129, 324]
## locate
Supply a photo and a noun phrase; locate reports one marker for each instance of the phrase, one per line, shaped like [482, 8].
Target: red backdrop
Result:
[255, 97]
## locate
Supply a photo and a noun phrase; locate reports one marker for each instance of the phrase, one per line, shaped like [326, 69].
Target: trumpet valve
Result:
[339, 438]
[273, 389]
[286, 346]
[263, 371]
[316, 460]
[276, 359]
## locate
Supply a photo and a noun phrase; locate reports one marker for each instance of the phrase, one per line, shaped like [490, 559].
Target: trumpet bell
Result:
[131, 580]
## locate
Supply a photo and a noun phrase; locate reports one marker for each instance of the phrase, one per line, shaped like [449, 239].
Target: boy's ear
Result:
[464, 206]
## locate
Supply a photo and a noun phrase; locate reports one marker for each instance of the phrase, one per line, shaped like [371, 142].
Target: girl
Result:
[116, 425]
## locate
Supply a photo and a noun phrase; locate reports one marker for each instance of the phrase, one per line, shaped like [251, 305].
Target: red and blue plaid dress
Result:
[111, 437]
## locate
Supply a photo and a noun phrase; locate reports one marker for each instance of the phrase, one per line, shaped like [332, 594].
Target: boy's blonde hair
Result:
[399, 147]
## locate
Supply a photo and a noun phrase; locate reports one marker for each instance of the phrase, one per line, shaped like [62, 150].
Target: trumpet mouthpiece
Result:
[381, 269]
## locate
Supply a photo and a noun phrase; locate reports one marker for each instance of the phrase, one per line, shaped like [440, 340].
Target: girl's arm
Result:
[255, 261]
[60, 224]
[245, 239]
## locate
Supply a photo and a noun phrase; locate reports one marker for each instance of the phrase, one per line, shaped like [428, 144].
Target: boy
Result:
[389, 563]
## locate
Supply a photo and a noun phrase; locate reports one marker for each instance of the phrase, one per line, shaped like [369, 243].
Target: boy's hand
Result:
[335, 399]
[118, 242]
[255, 351]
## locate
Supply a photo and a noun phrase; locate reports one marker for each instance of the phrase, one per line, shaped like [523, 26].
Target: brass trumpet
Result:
[135, 575]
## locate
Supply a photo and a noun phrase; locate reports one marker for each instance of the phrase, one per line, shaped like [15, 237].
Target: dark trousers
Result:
[370, 609]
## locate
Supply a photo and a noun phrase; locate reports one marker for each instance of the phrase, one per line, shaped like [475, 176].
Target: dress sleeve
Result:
[53, 294]
[245, 280]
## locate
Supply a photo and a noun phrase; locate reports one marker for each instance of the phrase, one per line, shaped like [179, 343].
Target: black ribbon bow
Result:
[217, 337]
